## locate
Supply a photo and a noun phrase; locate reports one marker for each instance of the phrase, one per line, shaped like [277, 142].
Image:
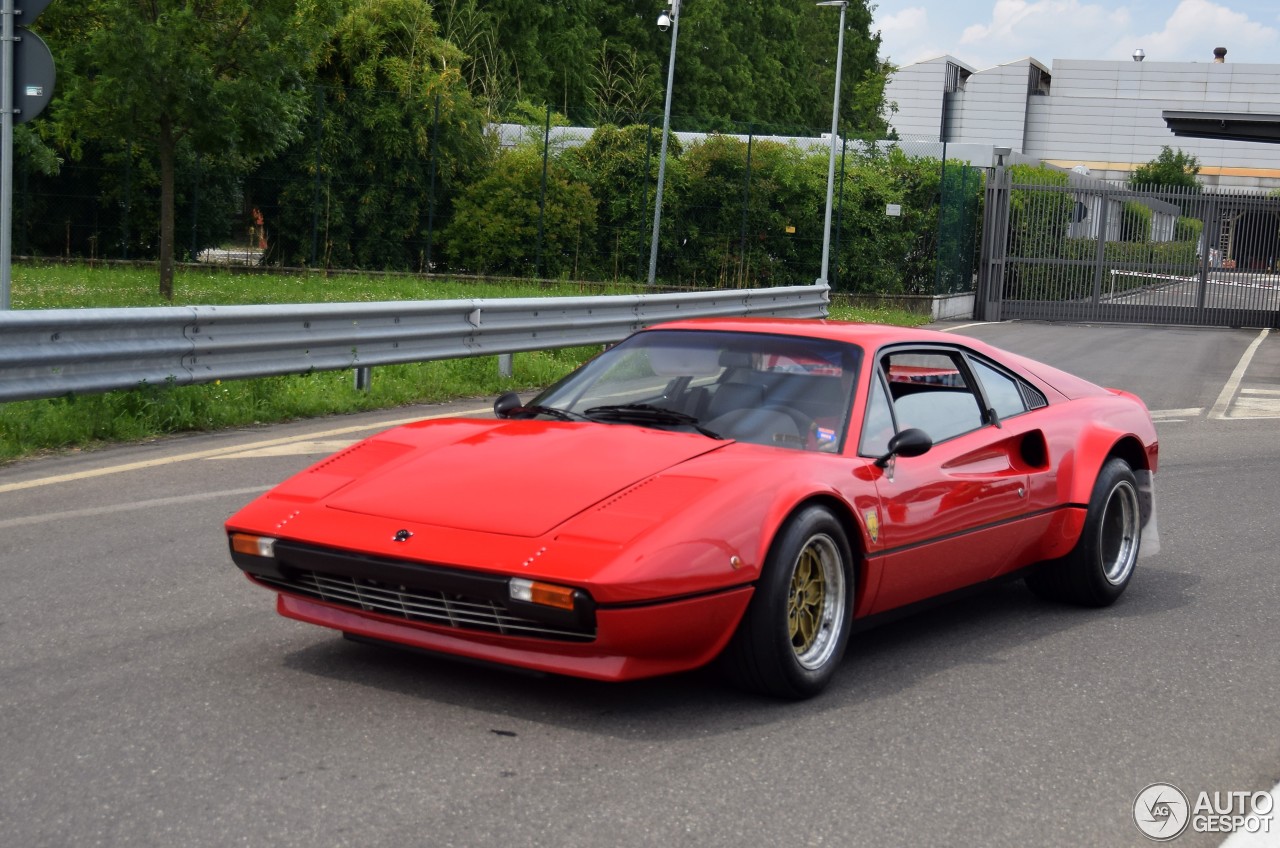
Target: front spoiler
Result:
[630, 643]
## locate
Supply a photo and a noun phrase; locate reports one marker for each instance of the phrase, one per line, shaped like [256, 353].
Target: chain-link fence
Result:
[374, 182]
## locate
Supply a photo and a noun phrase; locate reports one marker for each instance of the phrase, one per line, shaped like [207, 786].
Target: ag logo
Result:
[1161, 812]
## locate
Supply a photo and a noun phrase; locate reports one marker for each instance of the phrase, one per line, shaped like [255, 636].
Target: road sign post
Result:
[26, 86]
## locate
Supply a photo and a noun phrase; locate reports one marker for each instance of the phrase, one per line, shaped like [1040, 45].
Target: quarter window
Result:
[1002, 390]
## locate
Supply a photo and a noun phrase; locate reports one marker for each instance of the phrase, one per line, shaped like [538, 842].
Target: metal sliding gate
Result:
[1083, 249]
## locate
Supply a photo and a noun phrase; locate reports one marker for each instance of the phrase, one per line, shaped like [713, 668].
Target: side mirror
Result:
[910, 442]
[506, 404]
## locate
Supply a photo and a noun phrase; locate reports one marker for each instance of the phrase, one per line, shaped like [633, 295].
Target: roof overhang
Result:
[1236, 126]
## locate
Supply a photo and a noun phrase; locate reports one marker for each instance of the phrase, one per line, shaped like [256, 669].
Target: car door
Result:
[952, 516]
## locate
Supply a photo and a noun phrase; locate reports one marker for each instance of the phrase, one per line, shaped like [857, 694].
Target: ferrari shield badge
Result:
[873, 524]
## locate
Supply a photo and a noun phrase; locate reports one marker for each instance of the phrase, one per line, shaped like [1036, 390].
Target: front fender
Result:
[722, 536]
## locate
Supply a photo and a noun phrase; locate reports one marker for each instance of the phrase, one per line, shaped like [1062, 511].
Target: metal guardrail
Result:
[53, 352]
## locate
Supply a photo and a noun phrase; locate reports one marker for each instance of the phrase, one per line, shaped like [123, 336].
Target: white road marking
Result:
[974, 324]
[213, 452]
[128, 507]
[1165, 414]
[1256, 407]
[1233, 383]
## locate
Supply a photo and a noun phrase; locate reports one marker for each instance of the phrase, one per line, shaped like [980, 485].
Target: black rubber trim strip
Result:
[673, 599]
[936, 539]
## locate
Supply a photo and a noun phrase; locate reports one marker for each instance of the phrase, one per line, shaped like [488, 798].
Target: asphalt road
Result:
[151, 697]
[1226, 290]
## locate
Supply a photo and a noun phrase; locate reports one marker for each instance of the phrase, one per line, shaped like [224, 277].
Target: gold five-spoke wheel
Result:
[815, 601]
[794, 631]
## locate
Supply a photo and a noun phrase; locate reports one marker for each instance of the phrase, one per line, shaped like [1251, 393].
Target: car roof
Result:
[868, 336]
[873, 337]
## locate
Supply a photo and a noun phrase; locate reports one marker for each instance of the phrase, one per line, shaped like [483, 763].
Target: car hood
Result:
[517, 478]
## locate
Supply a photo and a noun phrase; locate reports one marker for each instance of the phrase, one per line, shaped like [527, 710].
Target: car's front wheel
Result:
[1098, 569]
[795, 630]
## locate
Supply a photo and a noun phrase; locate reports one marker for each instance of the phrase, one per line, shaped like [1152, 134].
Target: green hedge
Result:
[731, 216]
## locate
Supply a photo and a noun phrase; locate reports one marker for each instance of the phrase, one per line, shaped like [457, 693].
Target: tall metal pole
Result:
[6, 154]
[831, 159]
[431, 195]
[542, 195]
[662, 154]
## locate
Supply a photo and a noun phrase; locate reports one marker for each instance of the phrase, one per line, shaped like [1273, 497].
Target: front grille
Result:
[415, 604]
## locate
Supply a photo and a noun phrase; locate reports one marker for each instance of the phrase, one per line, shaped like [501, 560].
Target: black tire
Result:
[793, 635]
[1097, 571]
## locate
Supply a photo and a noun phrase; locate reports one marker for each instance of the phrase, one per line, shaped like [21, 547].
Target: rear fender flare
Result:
[1093, 452]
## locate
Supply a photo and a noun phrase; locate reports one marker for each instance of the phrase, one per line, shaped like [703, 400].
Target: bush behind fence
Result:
[429, 193]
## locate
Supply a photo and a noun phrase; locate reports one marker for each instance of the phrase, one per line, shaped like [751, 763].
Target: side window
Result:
[1001, 389]
[878, 428]
[931, 390]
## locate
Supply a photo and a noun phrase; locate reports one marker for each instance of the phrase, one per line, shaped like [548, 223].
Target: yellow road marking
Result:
[321, 446]
[218, 452]
[156, 503]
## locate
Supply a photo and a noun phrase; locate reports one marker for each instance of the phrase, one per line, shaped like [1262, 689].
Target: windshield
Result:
[783, 391]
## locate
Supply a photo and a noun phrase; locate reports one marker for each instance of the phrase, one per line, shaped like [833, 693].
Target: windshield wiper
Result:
[552, 412]
[646, 413]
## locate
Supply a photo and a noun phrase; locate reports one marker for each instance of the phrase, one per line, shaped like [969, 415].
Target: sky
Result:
[984, 33]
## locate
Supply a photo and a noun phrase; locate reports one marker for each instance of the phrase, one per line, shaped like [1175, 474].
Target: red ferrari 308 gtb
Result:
[733, 488]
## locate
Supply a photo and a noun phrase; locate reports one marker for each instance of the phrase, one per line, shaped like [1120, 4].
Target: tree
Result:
[720, 243]
[30, 147]
[1168, 170]
[618, 165]
[497, 219]
[862, 73]
[767, 64]
[622, 86]
[222, 79]
[390, 99]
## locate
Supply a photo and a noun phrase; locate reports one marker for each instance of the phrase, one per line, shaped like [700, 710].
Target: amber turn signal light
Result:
[546, 594]
[261, 546]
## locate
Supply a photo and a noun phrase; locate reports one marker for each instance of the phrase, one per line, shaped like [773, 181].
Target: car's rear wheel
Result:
[795, 630]
[1097, 571]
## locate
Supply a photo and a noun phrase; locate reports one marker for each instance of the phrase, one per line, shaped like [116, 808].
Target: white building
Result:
[1108, 116]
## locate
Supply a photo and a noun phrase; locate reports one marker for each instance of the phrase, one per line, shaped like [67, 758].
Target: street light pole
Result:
[831, 159]
[674, 20]
[6, 153]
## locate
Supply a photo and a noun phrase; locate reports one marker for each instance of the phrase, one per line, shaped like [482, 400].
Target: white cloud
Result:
[905, 22]
[1023, 28]
[983, 33]
[1198, 26]
[902, 30]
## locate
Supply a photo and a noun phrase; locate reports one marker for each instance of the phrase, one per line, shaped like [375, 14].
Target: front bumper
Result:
[472, 614]
[630, 642]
